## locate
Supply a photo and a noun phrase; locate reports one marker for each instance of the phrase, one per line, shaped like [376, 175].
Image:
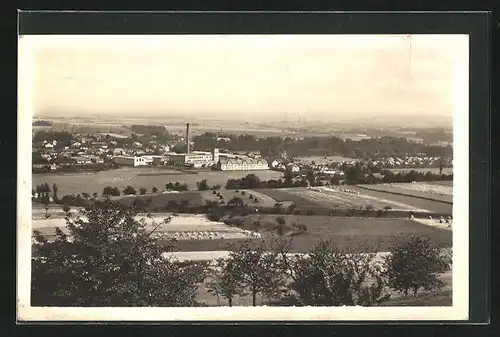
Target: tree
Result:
[154, 190]
[110, 259]
[414, 264]
[225, 280]
[110, 191]
[202, 185]
[142, 191]
[66, 208]
[129, 190]
[258, 269]
[387, 208]
[328, 276]
[46, 203]
[236, 201]
[95, 195]
[54, 193]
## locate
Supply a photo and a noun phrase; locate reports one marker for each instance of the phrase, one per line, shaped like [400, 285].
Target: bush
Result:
[413, 264]
[281, 220]
[142, 191]
[213, 217]
[154, 190]
[129, 190]
[214, 192]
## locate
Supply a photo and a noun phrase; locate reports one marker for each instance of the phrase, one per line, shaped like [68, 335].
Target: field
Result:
[182, 227]
[263, 199]
[73, 183]
[438, 192]
[435, 170]
[328, 198]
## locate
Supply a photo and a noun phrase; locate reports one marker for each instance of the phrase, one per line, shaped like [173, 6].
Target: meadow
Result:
[74, 183]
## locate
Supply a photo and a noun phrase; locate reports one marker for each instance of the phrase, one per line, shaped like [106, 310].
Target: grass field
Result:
[263, 199]
[355, 234]
[73, 183]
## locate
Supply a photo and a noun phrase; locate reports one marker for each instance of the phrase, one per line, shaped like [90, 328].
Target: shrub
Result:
[129, 190]
[214, 192]
[281, 220]
[213, 217]
[154, 189]
[413, 264]
[142, 191]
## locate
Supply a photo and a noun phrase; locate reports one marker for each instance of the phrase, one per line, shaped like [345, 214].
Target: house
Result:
[292, 167]
[118, 151]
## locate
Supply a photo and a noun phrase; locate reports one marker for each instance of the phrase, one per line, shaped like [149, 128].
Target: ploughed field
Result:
[355, 197]
[434, 191]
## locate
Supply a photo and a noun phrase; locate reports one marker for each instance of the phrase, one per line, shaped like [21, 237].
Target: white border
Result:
[459, 310]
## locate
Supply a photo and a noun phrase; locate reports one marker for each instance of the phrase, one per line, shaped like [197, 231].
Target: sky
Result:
[245, 76]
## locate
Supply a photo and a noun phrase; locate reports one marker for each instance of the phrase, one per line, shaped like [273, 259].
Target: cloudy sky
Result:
[246, 76]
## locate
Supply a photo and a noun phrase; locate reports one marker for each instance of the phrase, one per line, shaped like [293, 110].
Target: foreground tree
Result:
[415, 264]
[108, 258]
[330, 277]
[225, 280]
[258, 269]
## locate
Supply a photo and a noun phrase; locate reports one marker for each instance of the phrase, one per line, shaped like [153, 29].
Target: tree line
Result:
[353, 176]
[367, 148]
[111, 259]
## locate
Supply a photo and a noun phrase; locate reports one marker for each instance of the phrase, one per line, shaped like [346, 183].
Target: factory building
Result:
[130, 160]
[222, 161]
[242, 164]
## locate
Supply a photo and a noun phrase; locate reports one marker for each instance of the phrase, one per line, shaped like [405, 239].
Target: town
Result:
[66, 152]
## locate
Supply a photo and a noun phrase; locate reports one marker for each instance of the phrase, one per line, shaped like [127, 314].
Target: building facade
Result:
[242, 164]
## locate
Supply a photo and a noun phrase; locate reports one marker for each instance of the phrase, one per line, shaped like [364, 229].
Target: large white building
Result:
[242, 164]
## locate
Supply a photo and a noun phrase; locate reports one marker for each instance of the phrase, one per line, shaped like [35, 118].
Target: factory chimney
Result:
[188, 140]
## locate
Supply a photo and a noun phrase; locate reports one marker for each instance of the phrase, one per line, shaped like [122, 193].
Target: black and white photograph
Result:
[248, 177]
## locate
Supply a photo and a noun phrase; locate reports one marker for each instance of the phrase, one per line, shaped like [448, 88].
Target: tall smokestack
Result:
[188, 145]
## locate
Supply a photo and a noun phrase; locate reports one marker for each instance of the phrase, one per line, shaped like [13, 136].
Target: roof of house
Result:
[246, 160]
